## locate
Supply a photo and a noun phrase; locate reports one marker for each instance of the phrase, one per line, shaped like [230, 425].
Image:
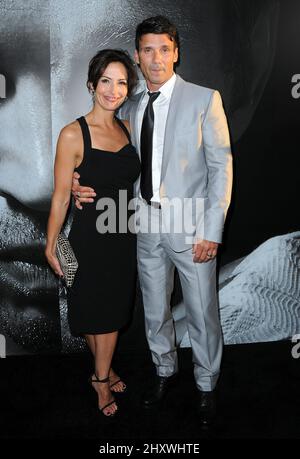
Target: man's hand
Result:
[81, 193]
[204, 251]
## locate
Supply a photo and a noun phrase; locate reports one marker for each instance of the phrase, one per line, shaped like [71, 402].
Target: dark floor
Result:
[48, 397]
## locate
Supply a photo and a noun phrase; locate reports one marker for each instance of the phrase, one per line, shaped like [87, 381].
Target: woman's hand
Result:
[53, 262]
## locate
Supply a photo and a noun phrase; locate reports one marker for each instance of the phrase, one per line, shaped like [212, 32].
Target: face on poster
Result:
[29, 314]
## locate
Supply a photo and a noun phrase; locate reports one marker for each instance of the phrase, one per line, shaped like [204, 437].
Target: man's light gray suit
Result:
[197, 163]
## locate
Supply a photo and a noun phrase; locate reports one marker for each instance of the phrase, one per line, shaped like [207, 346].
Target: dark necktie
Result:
[146, 148]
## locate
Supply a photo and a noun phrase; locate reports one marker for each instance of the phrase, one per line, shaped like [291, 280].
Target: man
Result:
[180, 132]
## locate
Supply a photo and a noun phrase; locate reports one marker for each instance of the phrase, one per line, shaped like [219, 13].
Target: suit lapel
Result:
[134, 121]
[174, 108]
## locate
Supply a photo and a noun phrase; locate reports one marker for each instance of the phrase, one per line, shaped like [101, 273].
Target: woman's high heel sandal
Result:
[103, 381]
[112, 386]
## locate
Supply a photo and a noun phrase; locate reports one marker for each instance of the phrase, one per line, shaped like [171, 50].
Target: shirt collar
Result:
[167, 88]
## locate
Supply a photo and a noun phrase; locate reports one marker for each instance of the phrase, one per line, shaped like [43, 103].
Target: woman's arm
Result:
[67, 154]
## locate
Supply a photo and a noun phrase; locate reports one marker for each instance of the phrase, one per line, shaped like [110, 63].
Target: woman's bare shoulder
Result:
[71, 132]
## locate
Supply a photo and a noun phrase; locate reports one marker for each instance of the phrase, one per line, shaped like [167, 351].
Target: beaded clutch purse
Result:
[66, 258]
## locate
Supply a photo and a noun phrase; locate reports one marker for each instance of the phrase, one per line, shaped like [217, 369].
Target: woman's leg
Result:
[120, 386]
[103, 346]
[90, 339]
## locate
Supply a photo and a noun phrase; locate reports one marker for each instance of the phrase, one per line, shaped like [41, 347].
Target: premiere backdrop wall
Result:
[248, 51]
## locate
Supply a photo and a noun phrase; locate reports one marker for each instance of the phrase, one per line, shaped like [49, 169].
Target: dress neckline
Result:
[123, 127]
[109, 151]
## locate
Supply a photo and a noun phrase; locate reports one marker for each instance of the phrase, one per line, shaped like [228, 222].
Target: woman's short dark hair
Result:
[158, 25]
[103, 58]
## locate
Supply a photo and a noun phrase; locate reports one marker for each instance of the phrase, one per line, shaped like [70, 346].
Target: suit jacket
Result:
[197, 160]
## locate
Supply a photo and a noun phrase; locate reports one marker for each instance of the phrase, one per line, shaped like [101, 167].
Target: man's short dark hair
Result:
[158, 25]
[103, 58]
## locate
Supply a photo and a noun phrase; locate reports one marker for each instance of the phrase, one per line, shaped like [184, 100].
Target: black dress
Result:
[102, 295]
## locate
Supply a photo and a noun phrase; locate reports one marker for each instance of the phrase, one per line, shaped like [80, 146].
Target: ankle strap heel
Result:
[97, 380]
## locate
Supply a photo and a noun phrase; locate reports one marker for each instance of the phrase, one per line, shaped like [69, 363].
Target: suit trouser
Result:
[156, 264]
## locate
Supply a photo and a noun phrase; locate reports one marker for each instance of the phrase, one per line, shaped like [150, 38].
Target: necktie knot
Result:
[153, 96]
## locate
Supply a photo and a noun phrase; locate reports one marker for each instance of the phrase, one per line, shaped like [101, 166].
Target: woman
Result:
[98, 146]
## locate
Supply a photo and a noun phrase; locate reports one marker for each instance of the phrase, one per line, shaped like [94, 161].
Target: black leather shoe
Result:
[158, 390]
[207, 407]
